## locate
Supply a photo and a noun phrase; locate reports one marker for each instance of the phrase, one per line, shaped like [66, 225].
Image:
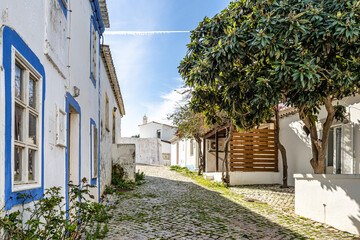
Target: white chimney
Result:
[145, 119]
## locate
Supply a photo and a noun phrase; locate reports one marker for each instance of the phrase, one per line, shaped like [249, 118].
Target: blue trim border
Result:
[11, 38]
[70, 101]
[97, 15]
[93, 180]
[63, 8]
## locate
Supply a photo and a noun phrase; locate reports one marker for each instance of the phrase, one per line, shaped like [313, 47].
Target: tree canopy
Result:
[256, 53]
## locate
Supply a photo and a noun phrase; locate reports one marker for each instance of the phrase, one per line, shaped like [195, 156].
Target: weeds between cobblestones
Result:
[181, 205]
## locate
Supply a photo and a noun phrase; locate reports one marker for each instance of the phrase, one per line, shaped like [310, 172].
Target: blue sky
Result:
[146, 64]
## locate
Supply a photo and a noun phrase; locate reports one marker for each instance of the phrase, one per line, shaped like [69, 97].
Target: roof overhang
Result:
[111, 73]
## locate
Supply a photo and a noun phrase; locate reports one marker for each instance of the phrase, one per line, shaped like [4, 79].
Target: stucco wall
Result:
[331, 199]
[149, 130]
[124, 155]
[185, 157]
[298, 144]
[106, 144]
[148, 151]
[58, 42]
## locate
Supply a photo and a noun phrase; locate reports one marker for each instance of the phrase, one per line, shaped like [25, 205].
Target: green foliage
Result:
[139, 176]
[118, 181]
[188, 123]
[49, 219]
[200, 179]
[257, 53]
[245, 58]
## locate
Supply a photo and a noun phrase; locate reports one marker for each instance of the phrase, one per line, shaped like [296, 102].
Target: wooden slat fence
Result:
[254, 151]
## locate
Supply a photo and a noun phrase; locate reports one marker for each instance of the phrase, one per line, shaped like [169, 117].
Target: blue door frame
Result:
[70, 101]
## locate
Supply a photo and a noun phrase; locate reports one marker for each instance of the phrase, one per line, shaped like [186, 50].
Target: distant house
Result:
[60, 103]
[185, 153]
[153, 146]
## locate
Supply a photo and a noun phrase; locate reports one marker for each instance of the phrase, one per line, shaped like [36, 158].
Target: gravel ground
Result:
[172, 206]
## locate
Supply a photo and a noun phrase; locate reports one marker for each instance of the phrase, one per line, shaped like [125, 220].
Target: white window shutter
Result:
[347, 164]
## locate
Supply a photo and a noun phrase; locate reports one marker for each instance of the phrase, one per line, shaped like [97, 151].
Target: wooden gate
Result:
[254, 151]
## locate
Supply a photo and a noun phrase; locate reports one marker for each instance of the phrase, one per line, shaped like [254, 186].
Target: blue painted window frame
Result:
[12, 39]
[63, 7]
[93, 180]
[94, 24]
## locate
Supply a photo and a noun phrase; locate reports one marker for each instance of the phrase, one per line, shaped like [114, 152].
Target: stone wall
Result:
[124, 155]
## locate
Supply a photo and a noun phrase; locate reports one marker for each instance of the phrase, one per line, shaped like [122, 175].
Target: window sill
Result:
[25, 187]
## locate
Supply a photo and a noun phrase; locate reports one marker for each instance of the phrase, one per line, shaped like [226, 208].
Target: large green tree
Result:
[256, 53]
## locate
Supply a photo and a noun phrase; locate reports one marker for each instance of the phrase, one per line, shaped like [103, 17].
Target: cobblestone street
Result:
[172, 206]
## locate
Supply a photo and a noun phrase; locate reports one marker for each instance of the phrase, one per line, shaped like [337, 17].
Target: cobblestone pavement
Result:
[172, 206]
[279, 198]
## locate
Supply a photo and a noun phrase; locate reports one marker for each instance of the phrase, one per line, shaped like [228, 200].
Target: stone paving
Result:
[172, 206]
[279, 198]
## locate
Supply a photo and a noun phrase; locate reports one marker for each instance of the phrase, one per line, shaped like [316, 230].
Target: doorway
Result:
[73, 160]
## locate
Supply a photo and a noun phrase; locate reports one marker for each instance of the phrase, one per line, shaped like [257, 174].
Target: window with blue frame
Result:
[94, 51]
[63, 4]
[24, 128]
[94, 151]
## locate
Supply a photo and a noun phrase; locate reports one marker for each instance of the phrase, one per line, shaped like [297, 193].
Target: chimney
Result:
[145, 119]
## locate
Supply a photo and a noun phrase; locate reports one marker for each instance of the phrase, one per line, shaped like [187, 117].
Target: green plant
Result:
[139, 176]
[257, 53]
[48, 217]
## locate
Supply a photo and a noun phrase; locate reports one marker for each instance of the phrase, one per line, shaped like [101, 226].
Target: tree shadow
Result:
[171, 209]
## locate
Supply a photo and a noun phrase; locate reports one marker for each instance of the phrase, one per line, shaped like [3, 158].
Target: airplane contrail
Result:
[142, 32]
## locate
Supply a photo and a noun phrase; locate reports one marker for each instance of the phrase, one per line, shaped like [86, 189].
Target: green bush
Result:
[139, 176]
[49, 219]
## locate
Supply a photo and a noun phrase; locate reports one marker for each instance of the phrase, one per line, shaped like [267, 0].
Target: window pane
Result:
[330, 155]
[19, 113]
[18, 154]
[32, 129]
[32, 93]
[338, 150]
[95, 157]
[31, 165]
[19, 82]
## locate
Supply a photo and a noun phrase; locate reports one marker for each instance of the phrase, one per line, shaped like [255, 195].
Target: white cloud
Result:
[170, 101]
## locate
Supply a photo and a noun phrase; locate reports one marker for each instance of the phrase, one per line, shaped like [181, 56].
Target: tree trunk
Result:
[319, 146]
[201, 157]
[229, 133]
[281, 147]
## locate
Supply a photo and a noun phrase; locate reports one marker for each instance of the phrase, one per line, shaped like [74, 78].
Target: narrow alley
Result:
[170, 205]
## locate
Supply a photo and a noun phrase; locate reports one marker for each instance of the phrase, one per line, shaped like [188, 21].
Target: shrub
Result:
[49, 219]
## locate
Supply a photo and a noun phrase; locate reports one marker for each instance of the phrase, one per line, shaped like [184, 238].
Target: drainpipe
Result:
[67, 85]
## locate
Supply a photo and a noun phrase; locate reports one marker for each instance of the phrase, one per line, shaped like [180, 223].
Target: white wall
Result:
[106, 134]
[45, 30]
[185, 157]
[298, 145]
[148, 151]
[150, 129]
[331, 199]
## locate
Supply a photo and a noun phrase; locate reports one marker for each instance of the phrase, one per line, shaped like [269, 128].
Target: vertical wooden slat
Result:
[204, 154]
[217, 150]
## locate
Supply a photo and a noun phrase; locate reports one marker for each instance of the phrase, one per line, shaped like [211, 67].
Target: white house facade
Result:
[185, 153]
[53, 83]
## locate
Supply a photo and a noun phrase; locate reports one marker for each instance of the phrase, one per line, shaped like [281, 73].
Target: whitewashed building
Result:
[153, 145]
[60, 103]
[185, 153]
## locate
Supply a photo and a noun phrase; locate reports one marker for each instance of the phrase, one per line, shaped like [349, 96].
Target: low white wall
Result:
[148, 151]
[331, 199]
[124, 155]
[249, 178]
